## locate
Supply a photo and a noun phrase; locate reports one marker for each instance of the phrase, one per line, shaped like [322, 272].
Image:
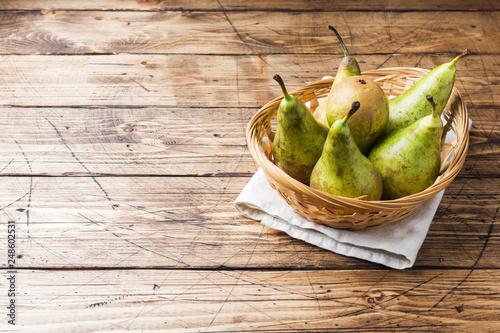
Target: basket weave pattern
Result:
[320, 207]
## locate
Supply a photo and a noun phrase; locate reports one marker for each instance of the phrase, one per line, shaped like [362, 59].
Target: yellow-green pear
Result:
[411, 105]
[342, 169]
[409, 159]
[299, 138]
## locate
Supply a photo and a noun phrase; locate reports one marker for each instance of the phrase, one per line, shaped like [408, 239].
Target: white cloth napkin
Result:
[395, 245]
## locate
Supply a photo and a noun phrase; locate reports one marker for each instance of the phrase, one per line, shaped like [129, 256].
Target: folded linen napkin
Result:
[395, 245]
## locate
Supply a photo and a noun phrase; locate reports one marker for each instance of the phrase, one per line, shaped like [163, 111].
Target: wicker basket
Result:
[320, 207]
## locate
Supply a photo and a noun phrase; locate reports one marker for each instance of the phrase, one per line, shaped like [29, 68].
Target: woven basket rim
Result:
[279, 176]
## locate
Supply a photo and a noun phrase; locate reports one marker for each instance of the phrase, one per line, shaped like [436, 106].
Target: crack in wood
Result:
[78, 160]
[239, 35]
[30, 192]
[132, 242]
[5, 167]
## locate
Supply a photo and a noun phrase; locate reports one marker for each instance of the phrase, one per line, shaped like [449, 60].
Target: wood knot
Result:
[149, 65]
[128, 129]
[374, 298]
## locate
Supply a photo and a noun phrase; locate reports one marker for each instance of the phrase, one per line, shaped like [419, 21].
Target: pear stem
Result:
[431, 100]
[278, 79]
[460, 56]
[354, 107]
[346, 53]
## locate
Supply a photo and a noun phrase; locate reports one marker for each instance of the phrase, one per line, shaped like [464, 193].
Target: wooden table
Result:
[122, 150]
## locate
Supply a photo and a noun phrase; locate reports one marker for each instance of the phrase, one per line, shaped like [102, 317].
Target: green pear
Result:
[299, 138]
[342, 169]
[411, 105]
[370, 120]
[348, 67]
[409, 159]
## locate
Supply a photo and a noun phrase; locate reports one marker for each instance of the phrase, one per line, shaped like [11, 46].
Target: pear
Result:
[299, 138]
[342, 169]
[348, 67]
[409, 159]
[370, 120]
[411, 105]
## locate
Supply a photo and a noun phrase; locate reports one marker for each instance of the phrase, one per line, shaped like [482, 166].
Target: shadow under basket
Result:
[320, 207]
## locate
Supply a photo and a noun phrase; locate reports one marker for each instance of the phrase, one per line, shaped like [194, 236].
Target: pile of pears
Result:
[358, 143]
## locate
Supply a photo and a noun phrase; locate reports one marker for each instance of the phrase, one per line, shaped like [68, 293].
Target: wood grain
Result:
[256, 301]
[234, 5]
[190, 222]
[149, 141]
[248, 32]
[203, 80]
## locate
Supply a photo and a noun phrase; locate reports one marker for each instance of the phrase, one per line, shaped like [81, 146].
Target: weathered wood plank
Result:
[258, 301]
[187, 222]
[161, 141]
[152, 245]
[124, 141]
[248, 32]
[202, 80]
[280, 5]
